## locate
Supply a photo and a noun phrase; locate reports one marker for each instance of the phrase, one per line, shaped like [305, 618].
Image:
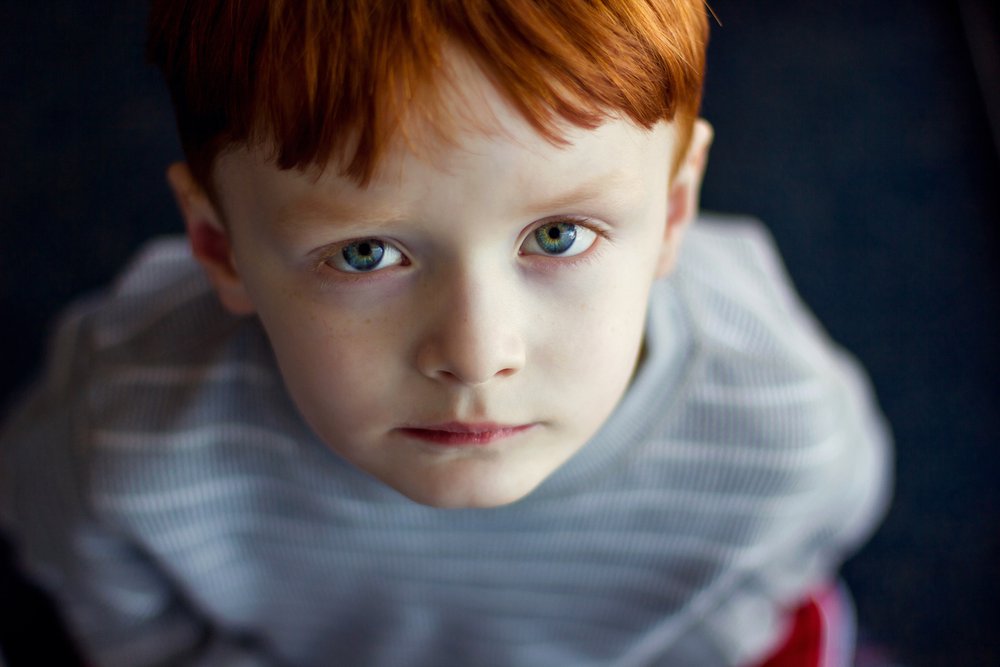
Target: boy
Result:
[446, 389]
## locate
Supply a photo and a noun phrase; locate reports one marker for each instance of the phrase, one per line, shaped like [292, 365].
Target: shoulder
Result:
[765, 380]
[158, 320]
[772, 418]
[753, 334]
[161, 356]
[154, 398]
[160, 299]
[149, 367]
[160, 312]
[768, 393]
[740, 298]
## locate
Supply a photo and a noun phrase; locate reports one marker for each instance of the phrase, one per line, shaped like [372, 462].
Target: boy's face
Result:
[463, 326]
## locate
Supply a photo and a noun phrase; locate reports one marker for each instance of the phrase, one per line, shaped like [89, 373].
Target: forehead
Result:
[487, 151]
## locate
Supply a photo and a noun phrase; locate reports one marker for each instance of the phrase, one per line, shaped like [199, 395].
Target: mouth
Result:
[460, 434]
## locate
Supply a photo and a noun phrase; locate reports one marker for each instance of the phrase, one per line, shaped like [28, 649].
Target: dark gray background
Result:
[857, 130]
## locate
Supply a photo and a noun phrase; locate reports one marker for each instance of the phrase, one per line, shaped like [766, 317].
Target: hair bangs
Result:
[322, 81]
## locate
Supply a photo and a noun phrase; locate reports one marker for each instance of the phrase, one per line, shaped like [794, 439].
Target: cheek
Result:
[593, 339]
[333, 362]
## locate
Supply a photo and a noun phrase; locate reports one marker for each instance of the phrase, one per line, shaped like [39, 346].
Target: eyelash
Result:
[601, 232]
[331, 276]
[588, 224]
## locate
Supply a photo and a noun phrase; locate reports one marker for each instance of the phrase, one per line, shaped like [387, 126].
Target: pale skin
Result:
[467, 316]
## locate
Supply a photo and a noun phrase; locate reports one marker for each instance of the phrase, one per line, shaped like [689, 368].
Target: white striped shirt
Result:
[160, 483]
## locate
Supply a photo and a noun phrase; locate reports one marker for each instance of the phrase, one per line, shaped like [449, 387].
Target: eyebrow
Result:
[616, 183]
[304, 212]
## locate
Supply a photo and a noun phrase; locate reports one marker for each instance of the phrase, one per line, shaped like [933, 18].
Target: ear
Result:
[683, 194]
[209, 239]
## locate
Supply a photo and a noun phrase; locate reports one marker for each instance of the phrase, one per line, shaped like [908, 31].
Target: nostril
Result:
[448, 375]
[469, 355]
[471, 378]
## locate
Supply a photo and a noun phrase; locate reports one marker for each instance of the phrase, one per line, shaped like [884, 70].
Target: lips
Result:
[460, 434]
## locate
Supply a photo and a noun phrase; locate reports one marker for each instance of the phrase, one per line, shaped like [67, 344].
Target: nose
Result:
[473, 335]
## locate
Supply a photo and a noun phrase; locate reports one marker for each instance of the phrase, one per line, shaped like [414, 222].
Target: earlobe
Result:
[683, 195]
[209, 239]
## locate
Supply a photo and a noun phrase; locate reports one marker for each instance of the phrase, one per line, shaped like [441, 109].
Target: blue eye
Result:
[559, 238]
[365, 255]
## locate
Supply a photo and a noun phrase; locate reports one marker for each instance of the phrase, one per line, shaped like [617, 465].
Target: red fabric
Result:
[804, 645]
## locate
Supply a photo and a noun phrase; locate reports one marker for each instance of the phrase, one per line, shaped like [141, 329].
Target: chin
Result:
[482, 497]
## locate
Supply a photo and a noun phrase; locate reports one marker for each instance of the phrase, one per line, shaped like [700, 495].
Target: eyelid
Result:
[335, 251]
[590, 224]
[594, 224]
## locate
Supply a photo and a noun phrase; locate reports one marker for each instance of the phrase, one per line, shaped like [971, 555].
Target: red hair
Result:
[334, 79]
